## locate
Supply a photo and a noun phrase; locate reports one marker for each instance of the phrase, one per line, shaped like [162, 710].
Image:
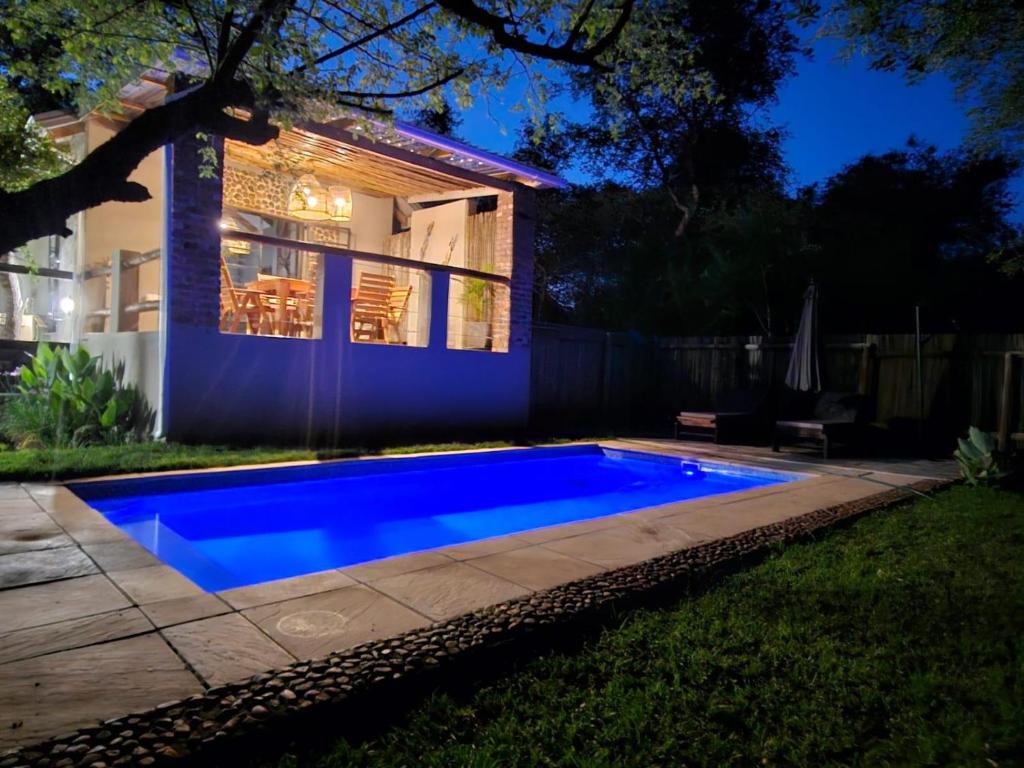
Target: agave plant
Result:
[979, 462]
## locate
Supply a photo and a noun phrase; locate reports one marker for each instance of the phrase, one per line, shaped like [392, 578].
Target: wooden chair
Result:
[238, 304]
[398, 303]
[371, 304]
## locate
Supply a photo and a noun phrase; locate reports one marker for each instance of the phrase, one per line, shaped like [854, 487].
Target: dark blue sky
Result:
[834, 111]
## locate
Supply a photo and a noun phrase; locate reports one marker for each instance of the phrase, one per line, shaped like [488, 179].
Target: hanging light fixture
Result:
[339, 203]
[308, 199]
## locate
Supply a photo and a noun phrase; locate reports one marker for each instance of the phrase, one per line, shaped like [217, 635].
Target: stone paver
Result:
[42, 565]
[72, 633]
[448, 590]
[536, 567]
[226, 648]
[625, 545]
[550, 533]
[483, 547]
[393, 566]
[120, 555]
[330, 621]
[178, 610]
[711, 523]
[58, 601]
[84, 524]
[153, 584]
[12, 491]
[285, 589]
[49, 695]
[30, 530]
[18, 507]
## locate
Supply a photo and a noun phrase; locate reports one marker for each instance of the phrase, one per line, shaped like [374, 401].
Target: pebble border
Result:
[204, 725]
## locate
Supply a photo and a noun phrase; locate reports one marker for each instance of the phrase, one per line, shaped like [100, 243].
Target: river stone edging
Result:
[204, 726]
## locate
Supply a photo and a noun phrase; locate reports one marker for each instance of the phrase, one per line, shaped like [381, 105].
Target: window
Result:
[37, 291]
[270, 289]
[478, 312]
[390, 305]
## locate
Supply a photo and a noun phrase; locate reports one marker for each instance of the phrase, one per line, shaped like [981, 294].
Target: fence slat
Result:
[587, 379]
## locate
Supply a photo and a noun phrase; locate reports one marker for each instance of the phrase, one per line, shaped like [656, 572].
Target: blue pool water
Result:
[232, 529]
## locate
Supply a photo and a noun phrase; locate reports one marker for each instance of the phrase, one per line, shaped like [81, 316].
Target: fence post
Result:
[1005, 402]
[606, 378]
[867, 360]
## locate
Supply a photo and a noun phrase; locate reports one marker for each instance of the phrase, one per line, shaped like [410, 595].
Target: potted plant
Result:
[477, 297]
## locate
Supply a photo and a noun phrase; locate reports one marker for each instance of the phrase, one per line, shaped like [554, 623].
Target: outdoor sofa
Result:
[824, 417]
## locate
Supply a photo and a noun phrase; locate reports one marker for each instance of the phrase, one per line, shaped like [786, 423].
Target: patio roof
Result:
[415, 159]
[463, 155]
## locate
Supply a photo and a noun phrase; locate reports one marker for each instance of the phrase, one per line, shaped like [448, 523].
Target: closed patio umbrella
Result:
[806, 366]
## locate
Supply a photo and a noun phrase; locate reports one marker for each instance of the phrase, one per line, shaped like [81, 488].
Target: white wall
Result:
[125, 226]
[140, 352]
[371, 222]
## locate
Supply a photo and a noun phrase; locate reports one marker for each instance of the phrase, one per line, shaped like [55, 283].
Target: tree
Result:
[440, 118]
[698, 143]
[240, 69]
[27, 154]
[915, 226]
[980, 45]
[911, 226]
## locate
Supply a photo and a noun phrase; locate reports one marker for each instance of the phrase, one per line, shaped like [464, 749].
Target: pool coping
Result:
[645, 534]
[276, 590]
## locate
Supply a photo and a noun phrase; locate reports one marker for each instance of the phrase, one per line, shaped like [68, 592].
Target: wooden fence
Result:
[585, 379]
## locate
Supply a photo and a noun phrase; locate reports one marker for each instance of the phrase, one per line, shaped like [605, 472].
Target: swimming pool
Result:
[237, 528]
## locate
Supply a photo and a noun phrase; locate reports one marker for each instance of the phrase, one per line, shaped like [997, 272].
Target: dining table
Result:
[284, 288]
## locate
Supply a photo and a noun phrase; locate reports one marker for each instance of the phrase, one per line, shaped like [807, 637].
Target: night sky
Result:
[834, 111]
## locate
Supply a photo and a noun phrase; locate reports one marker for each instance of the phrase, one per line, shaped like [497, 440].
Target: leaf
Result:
[109, 415]
[982, 440]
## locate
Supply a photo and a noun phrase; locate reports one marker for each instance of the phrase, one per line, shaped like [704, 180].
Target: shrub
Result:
[65, 398]
[978, 460]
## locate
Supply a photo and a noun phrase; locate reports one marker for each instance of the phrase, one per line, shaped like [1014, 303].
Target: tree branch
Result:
[368, 37]
[402, 94]
[499, 27]
[43, 208]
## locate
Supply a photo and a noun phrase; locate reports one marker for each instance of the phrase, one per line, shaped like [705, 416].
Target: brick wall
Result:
[193, 249]
[523, 217]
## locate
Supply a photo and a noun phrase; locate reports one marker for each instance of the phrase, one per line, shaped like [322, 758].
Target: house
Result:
[326, 286]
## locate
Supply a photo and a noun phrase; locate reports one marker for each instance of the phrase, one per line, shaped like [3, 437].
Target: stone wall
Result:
[267, 192]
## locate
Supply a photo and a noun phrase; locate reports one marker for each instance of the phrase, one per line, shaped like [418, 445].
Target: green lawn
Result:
[896, 641]
[64, 463]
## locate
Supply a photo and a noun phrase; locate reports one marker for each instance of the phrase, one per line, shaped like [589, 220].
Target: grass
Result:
[64, 463]
[896, 641]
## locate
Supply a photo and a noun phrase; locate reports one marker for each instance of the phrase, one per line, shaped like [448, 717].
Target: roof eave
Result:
[533, 176]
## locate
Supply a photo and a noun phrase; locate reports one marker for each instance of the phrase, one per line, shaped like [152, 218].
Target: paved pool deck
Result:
[92, 626]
